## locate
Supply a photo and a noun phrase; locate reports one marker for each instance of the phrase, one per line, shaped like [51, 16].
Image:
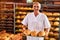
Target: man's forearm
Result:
[46, 31]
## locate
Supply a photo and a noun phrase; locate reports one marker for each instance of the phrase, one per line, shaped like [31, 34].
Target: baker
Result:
[36, 22]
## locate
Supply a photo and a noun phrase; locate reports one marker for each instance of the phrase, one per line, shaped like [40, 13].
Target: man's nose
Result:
[36, 8]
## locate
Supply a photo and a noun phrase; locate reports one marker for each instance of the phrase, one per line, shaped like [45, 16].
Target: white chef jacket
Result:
[36, 23]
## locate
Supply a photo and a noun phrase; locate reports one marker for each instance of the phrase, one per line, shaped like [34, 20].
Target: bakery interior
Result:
[12, 12]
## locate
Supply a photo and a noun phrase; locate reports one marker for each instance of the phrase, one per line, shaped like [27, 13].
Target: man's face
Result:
[36, 7]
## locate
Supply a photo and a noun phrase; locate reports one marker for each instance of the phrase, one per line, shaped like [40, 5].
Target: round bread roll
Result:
[19, 12]
[57, 18]
[52, 28]
[56, 14]
[33, 33]
[48, 13]
[21, 8]
[23, 12]
[41, 33]
[51, 33]
[22, 16]
[18, 21]
[30, 8]
[51, 18]
[46, 38]
[20, 30]
[56, 23]
[56, 35]
[56, 29]
[25, 8]
[27, 32]
[17, 16]
[19, 25]
[52, 39]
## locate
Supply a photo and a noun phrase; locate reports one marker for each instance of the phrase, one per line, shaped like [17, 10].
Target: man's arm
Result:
[24, 27]
[46, 25]
[26, 31]
[46, 30]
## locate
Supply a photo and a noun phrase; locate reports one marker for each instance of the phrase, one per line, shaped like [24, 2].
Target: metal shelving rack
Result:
[7, 16]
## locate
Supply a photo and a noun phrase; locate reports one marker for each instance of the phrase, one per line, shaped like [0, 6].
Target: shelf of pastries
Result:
[3, 24]
[56, 14]
[24, 8]
[51, 18]
[5, 9]
[9, 19]
[10, 22]
[8, 25]
[9, 36]
[48, 13]
[56, 29]
[51, 34]
[57, 18]
[22, 13]
[18, 12]
[52, 14]
[56, 23]
[2, 21]
[52, 29]
[56, 35]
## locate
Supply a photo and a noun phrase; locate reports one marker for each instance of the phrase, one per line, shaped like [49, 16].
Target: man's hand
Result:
[46, 31]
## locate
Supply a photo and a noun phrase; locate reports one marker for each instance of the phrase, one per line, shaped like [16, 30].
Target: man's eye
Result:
[34, 6]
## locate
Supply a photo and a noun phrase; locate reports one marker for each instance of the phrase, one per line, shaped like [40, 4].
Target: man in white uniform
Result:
[36, 21]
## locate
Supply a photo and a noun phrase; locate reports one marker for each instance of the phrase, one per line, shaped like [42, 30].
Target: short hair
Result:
[37, 3]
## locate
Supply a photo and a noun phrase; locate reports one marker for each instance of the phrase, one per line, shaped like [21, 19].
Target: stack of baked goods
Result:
[8, 36]
[34, 33]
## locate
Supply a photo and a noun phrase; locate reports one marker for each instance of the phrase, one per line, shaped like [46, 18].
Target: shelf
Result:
[52, 10]
[9, 22]
[7, 2]
[18, 32]
[55, 25]
[9, 11]
[21, 14]
[55, 31]
[6, 27]
[24, 4]
[19, 18]
[9, 19]
[17, 10]
[51, 1]
[55, 20]
[24, 8]
[17, 22]
[53, 16]
[18, 28]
